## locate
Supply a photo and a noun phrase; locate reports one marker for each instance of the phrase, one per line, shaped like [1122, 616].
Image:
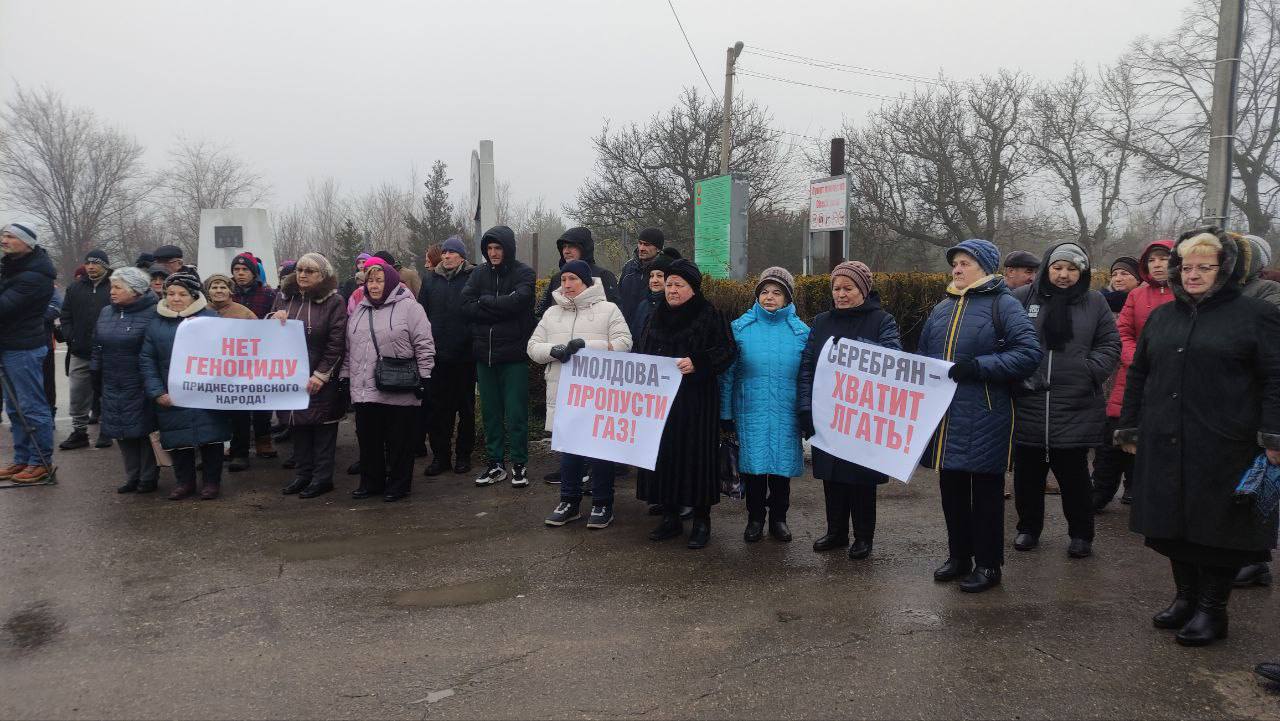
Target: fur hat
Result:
[782, 277]
[688, 270]
[856, 271]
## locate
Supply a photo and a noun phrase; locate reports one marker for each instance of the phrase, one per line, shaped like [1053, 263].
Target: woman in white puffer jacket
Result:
[581, 318]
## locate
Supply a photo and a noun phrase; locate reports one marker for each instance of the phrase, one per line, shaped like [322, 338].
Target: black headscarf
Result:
[1057, 312]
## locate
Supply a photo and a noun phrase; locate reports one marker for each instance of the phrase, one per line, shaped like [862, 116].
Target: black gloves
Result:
[424, 388]
[560, 353]
[804, 421]
[344, 387]
[576, 345]
[966, 370]
[728, 426]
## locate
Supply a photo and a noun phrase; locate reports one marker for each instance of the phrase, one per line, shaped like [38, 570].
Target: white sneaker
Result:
[519, 475]
[494, 473]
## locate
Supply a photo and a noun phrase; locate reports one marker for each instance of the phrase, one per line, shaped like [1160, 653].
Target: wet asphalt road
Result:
[459, 604]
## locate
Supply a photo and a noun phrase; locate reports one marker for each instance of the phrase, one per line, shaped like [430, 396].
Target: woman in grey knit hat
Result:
[757, 395]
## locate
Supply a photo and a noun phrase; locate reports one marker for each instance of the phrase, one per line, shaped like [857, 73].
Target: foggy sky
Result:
[363, 90]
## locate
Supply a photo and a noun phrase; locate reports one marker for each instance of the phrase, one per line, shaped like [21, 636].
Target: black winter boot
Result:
[700, 533]
[1186, 578]
[670, 527]
[1209, 623]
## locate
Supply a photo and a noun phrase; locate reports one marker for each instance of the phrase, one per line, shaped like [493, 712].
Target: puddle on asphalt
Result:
[33, 626]
[471, 593]
[376, 543]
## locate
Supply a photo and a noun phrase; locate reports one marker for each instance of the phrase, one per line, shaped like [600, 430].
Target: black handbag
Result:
[393, 375]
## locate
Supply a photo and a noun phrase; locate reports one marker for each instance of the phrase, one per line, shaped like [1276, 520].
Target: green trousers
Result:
[504, 408]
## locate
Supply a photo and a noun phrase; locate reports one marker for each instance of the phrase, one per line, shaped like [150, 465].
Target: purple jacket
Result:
[403, 331]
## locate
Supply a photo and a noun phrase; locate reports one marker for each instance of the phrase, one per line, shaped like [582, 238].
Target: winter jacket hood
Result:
[1143, 272]
[26, 286]
[505, 237]
[580, 237]
[1230, 270]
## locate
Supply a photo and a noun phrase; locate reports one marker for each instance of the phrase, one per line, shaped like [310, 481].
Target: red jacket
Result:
[1137, 308]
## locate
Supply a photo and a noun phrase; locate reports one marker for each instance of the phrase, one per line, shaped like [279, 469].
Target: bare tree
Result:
[325, 209]
[203, 175]
[645, 174]
[1067, 138]
[380, 213]
[1174, 76]
[74, 175]
[290, 230]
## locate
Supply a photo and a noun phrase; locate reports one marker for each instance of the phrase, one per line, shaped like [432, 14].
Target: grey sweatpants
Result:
[81, 383]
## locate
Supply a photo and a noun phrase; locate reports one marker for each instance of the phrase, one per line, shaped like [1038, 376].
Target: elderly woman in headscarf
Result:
[686, 326]
[127, 414]
[1201, 403]
[309, 295]
[184, 432]
[388, 323]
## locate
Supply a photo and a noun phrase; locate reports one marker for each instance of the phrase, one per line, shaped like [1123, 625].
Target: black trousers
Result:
[184, 465]
[385, 433]
[767, 493]
[1110, 466]
[973, 504]
[1070, 466]
[850, 501]
[313, 452]
[453, 396]
[241, 433]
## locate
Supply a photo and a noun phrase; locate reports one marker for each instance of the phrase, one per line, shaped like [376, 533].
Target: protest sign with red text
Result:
[613, 406]
[233, 364]
[877, 407]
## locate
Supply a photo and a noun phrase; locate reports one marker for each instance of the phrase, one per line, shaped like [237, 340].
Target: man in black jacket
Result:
[26, 285]
[633, 285]
[453, 379]
[577, 244]
[498, 304]
[84, 301]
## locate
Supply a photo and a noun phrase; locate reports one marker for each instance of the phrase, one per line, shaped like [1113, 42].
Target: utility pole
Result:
[537, 270]
[1222, 118]
[835, 238]
[726, 124]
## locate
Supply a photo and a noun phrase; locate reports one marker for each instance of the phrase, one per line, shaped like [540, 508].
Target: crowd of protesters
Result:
[1167, 380]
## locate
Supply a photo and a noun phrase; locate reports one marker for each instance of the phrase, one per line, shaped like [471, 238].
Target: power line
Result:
[841, 67]
[691, 52]
[844, 91]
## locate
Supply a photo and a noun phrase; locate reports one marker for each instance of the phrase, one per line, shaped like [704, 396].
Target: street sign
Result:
[829, 203]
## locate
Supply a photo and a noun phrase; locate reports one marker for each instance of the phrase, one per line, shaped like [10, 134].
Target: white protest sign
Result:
[613, 406]
[878, 407]
[232, 364]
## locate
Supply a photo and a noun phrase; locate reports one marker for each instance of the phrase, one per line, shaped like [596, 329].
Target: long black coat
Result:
[324, 325]
[1202, 394]
[868, 323]
[127, 411]
[686, 473]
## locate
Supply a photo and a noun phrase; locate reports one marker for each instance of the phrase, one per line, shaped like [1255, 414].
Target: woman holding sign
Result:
[580, 317]
[310, 295]
[183, 431]
[686, 326]
[760, 383]
[848, 488]
[390, 354]
[987, 335]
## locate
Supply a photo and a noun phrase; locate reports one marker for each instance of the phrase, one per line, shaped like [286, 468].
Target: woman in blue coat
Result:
[849, 489]
[757, 395]
[984, 331]
[127, 415]
[182, 430]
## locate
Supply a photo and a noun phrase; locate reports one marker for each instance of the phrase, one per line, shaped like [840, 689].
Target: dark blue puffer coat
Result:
[127, 410]
[179, 427]
[975, 433]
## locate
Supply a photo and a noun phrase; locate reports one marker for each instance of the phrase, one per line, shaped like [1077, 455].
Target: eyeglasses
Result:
[306, 271]
[1201, 268]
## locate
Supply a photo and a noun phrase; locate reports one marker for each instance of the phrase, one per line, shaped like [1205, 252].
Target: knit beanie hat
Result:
[984, 251]
[686, 269]
[454, 244]
[387, 256]
[135, 279]
[144, 261]
[1261, 248]
[856, 271]
[158, 270]
[22, 232]
[187, 280]
[653, 236]
[1127, 263]
[1021, 259]
[663, 260]
[360, 259]
[580, 269]
[218, 277]
[1071, 253]
[782, 277]
[96, 256]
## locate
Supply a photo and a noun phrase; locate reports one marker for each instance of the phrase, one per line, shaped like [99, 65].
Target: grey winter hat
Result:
[782, 277]
[1071, 253]
[1262, 248]
[21, 232]
[135, 279]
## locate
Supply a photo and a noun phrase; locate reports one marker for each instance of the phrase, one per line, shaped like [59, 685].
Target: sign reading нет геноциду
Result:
[877, 407]
[233, 364]
[614, 406]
